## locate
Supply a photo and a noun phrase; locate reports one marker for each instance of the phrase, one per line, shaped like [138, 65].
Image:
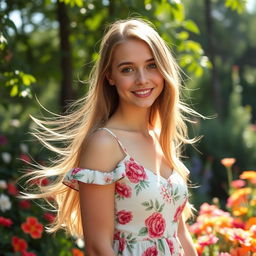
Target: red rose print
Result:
[179, 211]
[155, 224]
[170, 245]
[75, 171]
[121, 244]
[123, 190]
[151, 251]
[134, 171]
[124, 217]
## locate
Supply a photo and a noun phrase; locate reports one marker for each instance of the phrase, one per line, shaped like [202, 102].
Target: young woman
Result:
[119, 181]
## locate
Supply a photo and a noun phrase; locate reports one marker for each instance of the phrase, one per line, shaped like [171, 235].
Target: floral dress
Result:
[147, 206]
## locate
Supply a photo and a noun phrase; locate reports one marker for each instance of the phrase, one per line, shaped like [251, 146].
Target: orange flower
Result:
[77, 252]
[248, 175]
[239, 252]
[19, 245]
[251, 221]
[228, 162]
[240, 196]
[32, 227]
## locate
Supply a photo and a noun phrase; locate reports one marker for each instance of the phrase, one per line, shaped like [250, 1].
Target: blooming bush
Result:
[22, 222]
[232, 232]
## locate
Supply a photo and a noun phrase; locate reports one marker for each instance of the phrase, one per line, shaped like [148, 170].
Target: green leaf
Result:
[146, 203]
[14, 91]
[161, 245]
[156, 204]
[143, 231]
[191, 26]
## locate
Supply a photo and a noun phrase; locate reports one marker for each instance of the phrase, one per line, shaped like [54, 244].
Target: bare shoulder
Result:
[101, 152]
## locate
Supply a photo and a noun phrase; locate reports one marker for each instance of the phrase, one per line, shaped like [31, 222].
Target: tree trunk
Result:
[66, 91]
[215, 83]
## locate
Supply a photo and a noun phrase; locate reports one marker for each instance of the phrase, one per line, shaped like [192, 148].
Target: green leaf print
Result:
[143, 231]
[161, 207]
[157, 204]
[161, 245]
[146, 204]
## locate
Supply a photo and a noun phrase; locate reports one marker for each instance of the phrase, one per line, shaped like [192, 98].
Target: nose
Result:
[142, 77]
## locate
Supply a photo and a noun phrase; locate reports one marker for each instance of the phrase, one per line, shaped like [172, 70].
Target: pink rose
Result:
[75, 171]
[134, 171]
[123, 190]
[170, 245]
[155, 224]
[124, 217]
[179, 211]
[151, 251]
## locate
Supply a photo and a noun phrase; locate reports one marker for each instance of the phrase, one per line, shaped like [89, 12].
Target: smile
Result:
[143, 93]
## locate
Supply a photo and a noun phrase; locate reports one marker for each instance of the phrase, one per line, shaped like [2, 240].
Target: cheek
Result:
[124, 83]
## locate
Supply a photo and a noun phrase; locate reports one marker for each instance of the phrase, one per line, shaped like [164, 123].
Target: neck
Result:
[131, 119]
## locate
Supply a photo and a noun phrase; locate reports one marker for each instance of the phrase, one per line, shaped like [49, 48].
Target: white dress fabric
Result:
[147, 206]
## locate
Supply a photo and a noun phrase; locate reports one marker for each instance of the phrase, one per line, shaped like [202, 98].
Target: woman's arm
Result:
[185, 238]
[97, 201]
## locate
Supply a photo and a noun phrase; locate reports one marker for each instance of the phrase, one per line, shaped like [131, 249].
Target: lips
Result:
[142, 93]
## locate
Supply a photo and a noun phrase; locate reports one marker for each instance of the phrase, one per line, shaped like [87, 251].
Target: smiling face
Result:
[135, 74]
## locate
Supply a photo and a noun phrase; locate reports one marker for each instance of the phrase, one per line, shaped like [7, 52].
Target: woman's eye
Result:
[127, 70]
[152, 65]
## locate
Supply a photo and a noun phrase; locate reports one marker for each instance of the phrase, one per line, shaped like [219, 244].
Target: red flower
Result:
[25, 158]
[19, 245]
[121, 244]
[32, 227]
[151, 251]
[155, 224]
[123, 190]
[25, 253]
[77, 252]
[75, 171]
[49, 217]
[170, 245]
[179, 211]
[24, 204]
[124, 217]
[12, 190]
[5, 222]
[134, 171]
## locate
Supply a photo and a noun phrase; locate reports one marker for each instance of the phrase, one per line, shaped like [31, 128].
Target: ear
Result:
[110, 80]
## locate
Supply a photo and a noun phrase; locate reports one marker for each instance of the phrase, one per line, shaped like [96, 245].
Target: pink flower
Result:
[224, 254]
[179, 211]
[75, 171]
[238, 183]
[3, 140]
[151, 251]
[25, 253]
[124, 217]
[108, 177]
[165, 192]
[123, 190]
[134, 171]
[5, 222]
[170, 245]
[155, 224]
[207, 240]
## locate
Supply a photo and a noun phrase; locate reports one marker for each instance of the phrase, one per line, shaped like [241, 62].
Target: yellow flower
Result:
[240, 211]
[228, 162]
[248, 175]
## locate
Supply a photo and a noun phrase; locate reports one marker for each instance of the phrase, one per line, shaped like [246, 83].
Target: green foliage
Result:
[236, 5]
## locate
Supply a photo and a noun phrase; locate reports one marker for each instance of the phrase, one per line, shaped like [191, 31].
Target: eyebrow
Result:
[129, 62]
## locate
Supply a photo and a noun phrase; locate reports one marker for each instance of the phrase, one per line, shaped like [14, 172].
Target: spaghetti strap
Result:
[119, 142]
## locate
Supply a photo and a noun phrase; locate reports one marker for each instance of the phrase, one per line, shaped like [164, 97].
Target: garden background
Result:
[47, 49]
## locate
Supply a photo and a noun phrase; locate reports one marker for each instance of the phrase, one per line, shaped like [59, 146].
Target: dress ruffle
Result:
[92, 176]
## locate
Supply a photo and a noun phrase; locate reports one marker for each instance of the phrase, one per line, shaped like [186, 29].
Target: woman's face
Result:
[135, 74]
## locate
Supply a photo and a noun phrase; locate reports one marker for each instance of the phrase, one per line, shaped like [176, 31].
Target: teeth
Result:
[143, 92]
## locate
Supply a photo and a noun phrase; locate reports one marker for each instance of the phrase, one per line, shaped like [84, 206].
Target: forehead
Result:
[132, 50]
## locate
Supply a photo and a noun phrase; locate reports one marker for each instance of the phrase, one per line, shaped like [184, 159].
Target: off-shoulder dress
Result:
[147, 206]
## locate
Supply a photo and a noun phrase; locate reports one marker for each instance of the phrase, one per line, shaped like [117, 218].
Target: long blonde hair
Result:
[168, 114]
